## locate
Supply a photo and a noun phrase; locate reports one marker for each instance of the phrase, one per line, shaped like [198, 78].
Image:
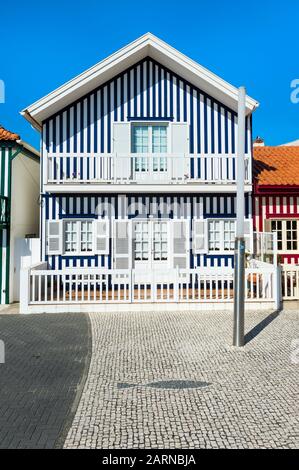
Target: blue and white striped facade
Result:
[121, 207]
[145, 92]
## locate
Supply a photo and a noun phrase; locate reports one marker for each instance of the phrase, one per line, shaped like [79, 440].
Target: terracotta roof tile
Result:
[7, 135]
[277, 166]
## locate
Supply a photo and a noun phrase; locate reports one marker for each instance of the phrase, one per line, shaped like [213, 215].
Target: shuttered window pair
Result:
[218, 235]
[131, 140]
[78, 237]
[131, 243]
[129, 137]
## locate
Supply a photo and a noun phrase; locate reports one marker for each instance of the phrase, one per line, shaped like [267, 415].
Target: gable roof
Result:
[6, 135]
[14, 140]
[147, 45]
[276, 166]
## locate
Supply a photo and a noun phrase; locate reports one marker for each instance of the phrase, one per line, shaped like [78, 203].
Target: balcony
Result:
[146, 171]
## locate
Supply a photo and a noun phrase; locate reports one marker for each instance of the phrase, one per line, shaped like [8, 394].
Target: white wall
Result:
[24, 210]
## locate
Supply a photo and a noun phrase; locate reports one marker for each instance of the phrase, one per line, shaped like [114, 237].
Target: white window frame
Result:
[78, 252]
[150, 124]
[284, 234]
[221, 251]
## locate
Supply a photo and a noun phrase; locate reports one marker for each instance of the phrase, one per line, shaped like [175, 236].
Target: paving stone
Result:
[143, 387]
[45, 358]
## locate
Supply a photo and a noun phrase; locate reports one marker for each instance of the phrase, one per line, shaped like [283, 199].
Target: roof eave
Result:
[276, 188]
[28, 148]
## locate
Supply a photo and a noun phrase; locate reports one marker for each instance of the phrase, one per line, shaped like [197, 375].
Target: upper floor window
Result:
[287, 234]
[149, 139]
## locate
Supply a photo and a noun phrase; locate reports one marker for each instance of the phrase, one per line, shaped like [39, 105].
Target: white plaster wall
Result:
[24, 210]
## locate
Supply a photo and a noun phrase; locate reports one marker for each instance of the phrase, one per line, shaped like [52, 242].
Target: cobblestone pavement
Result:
[46, 359]
[172, 380]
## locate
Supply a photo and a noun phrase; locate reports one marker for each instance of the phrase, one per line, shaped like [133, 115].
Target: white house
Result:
[138, 183]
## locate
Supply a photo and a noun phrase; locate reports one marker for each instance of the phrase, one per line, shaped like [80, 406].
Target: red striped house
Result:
[276, 197]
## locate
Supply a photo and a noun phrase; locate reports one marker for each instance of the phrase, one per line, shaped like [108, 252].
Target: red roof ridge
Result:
[8, 135]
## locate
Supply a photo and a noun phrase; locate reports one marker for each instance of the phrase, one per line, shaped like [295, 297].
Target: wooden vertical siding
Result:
[145, 91]
[276, 207]
[5, 175]
[187, 207]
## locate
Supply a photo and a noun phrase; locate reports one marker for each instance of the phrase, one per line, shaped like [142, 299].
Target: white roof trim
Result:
[28, 147]
[295, 143]
[146, 45]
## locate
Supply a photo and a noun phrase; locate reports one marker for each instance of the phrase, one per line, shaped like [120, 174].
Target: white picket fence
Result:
[290, 282]
[142, 169]
[41, 286]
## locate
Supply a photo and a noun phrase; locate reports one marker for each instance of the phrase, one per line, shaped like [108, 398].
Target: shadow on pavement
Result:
[260, 326]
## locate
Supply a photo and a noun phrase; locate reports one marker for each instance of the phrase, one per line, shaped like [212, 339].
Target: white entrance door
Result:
[151, 250]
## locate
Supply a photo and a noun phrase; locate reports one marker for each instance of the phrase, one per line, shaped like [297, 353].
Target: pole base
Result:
[239, 292]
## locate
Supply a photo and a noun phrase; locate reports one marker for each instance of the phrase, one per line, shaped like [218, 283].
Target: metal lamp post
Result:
[239, 258]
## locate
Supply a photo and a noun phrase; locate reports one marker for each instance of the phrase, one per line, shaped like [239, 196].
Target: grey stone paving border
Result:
[46, 365]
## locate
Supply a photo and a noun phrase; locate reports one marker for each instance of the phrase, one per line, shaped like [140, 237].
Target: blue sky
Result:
[253, 43]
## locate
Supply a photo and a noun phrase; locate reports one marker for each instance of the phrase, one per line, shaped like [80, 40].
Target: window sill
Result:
[70, 255]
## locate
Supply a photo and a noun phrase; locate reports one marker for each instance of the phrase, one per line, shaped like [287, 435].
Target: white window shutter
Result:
[122, 242]
[179, 147]
[200, 236]
[122, 147]
[248, 235]
[180, 253]
[121, 137]
[54, 241]
[101, 236]
[180, 137]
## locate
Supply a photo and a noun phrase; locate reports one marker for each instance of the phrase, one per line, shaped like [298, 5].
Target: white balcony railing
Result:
[168, 168]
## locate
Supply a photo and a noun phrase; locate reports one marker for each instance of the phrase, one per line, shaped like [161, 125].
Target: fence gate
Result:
[27, 253]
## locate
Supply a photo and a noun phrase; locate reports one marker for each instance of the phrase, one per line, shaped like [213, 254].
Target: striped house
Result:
[19, 194]
[276, 197]
[138, 165]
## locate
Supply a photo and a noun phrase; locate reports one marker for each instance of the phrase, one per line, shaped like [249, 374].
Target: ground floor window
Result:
[221, 235]
[287, 234]
[78, 236]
